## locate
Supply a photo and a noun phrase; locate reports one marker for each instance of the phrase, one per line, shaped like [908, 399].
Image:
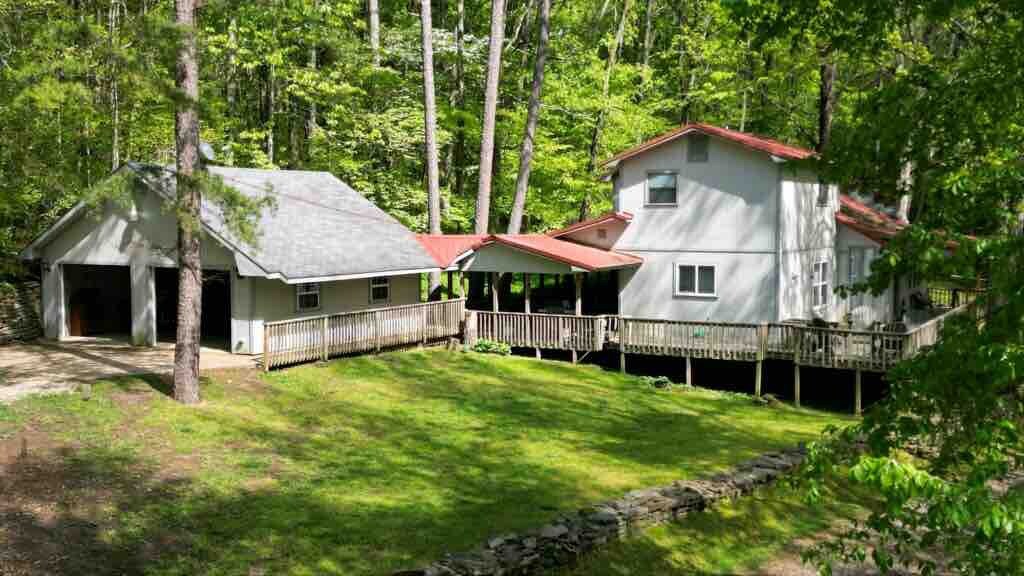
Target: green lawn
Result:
[360, 466]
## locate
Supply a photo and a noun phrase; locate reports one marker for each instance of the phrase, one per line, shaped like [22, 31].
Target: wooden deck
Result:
[321, 337]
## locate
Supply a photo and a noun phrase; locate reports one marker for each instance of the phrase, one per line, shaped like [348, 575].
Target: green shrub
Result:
[492, 347]
[659, 382]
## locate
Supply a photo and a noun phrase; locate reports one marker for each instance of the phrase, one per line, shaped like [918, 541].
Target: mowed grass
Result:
[363, 465]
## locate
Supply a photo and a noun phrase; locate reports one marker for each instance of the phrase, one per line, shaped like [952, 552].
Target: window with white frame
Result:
[697, 148]
[662, 188]
[380, 290]
[696, 280]
[821, 285]
[307, 297]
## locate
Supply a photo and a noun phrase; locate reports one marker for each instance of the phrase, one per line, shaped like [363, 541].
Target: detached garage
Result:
[322, 248]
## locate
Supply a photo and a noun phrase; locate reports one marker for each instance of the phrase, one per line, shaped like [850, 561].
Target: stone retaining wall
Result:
[561, 542]
[19, 313]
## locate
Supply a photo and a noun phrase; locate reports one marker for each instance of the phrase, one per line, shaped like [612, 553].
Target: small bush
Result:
[492, 347]
[659, 382]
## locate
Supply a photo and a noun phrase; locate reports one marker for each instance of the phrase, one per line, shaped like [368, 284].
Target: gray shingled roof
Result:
[320, 227]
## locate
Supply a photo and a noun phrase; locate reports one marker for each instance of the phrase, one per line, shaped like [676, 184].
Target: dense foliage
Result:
[88, 84]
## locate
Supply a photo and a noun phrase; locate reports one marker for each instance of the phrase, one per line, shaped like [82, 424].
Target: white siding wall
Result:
[272, 300]
[745, 286]
[726, 216]
[865, 309]
[807, 235]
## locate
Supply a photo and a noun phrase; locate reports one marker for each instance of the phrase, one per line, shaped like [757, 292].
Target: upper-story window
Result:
[822, 191]
[662, 188]
[307, 297]
[697, 148]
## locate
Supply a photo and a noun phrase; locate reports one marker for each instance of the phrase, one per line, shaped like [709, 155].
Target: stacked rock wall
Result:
[561, 542]
[19, 313]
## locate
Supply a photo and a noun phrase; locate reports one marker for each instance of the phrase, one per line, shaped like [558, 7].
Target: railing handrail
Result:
[364, 311]
[925, 325]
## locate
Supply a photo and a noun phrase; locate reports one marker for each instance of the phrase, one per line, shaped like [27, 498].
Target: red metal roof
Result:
[872, 223]
[602, 219]
[447, 248]
[752, 141]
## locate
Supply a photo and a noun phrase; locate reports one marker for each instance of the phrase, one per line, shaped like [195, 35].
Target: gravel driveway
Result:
[43, 367]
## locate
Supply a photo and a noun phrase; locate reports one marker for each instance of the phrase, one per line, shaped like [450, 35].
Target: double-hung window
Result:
[380, 290]
[307, 297]
[662, 188]
[696, 280]
[821, 285]
[697, 148]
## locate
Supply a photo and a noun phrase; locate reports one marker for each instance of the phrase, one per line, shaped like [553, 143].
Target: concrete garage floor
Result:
[44, 367]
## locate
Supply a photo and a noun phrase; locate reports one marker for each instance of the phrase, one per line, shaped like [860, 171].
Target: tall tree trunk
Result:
[311, 106]
[430, 137]
[515, 219]
[595, 139]
[270, 106]
[232, 75]
[190, 272]
[373, 8]
[648, 32]
[826, 103]
[459, 152]
[483, 198]
[115, 105]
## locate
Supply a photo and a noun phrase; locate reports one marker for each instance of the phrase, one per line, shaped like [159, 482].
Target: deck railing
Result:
[547, 331]
[322, 337]
[805, 345]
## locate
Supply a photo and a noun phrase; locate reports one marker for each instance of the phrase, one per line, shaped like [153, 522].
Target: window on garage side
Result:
[821, 285]
[307, 297]
[696, 280]
[380, 290]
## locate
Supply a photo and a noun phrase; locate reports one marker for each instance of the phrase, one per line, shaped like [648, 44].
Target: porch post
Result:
[143, 298]
[857, 406]
[494, 291]
[451, 286]
[526, 292]
[689, 372]
[462, 284]
[578, 281]
[796, 383]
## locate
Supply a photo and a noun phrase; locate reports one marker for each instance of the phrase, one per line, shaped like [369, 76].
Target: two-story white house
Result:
[733, 227]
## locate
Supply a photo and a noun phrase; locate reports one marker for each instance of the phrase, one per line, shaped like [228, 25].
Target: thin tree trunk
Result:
[515, 219]
[595, 140]
[483, 198]
[270, 108]
[232, 75]
[190, 280]
[430, 137]
[311, 106]
[459, 153]
[826, 103]
[648, 32]
[373, 7]
[115, 105]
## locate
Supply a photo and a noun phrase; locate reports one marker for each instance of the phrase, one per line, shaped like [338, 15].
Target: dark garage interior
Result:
[99, 300]
[216, 316]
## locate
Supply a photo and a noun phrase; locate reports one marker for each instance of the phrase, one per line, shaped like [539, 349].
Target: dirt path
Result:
[46, 367]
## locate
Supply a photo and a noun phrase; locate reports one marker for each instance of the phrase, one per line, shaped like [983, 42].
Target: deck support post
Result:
[796, 383]
[857, 406]
[451, 285]
[622, 361]
[528, 309]
[494, 291]
[463, 280]
[757, 378]
[578, 279]
[689, 372]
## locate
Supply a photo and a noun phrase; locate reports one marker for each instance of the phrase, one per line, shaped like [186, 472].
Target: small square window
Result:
[380, 290]
[697, 148]
[694, 280]
[307, 297]
[661, 188]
